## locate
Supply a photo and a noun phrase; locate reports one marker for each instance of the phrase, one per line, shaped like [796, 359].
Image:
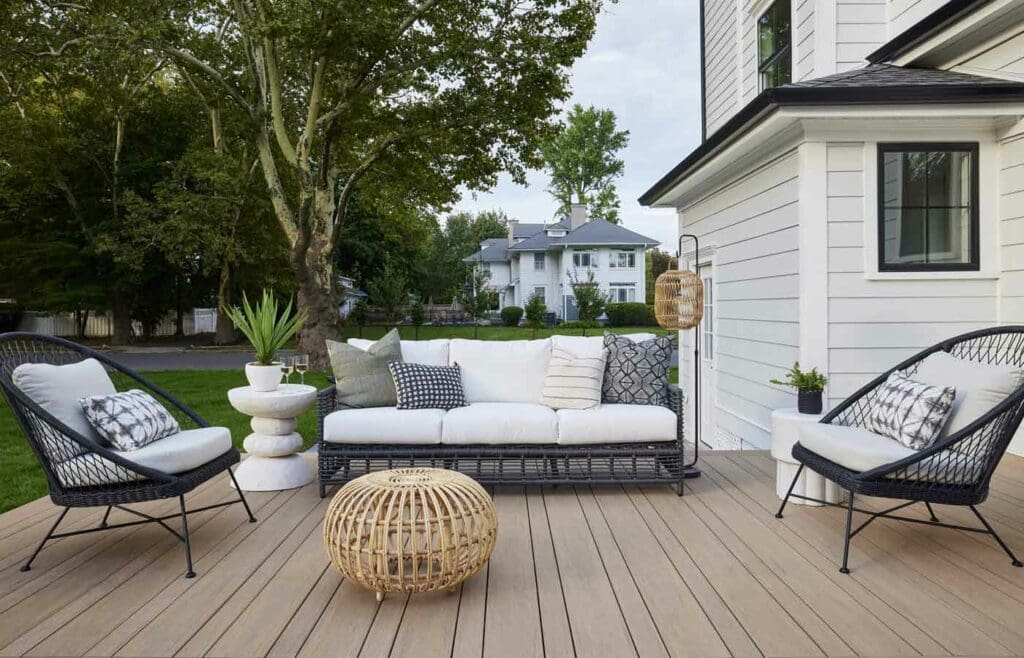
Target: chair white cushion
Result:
[500, 423]
[853, 447]
[176, 453]
[426, 352]
[384, 425]
[979, 386]
[58, 389]
[501, 370]
[578, 343]
[616, 423]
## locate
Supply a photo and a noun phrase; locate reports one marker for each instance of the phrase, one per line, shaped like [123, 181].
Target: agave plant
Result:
[264, 327]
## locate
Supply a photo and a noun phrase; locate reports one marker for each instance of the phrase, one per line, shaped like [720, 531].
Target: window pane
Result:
[948, 235]
[914, 178]
[910, 232]
[949, 179]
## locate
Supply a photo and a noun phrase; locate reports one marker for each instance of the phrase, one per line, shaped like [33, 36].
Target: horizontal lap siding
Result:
[1011, 227]
[753, 224]
[721, 95]
[904, 14]
[875, 324]
[860, 29]
[804, 39]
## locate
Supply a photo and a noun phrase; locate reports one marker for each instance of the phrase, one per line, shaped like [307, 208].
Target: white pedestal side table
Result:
[785, 434]
[273, 462]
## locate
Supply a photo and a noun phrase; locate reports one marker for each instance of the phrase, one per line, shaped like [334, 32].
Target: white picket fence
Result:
[101, 325]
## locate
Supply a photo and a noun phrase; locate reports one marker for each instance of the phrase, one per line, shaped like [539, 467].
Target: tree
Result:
[656, 262]
[432, 97]
[584, 163]
[359, 314]
[478, 299]
[389, 292]
[535, 311]
[590, 301]
[461, 237]
[417, 315]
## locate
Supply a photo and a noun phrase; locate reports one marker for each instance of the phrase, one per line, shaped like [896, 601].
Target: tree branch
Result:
[212, 73]
[350, 183]
[276, 112]
[285, 217]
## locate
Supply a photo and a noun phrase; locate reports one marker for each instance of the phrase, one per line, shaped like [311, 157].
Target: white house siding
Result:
[752, 226]
[860, 29]
[903, 14]
[803, 40]
[1004, 58]
[1011, 234]
[529, 279]
[721, 80]
[873, 324]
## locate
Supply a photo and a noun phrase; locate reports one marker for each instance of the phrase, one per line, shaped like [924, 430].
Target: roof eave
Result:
[947, 14]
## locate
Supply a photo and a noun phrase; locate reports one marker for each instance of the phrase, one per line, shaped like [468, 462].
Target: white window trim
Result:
[543, 261]
[543, 292]
[614, 256]
[593, 259]
[614, 287]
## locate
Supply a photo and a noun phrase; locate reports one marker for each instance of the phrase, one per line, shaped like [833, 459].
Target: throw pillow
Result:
[129, 420]
[909, 412]
[361, 377]
[636, 373]
[979, 386]
[427, 387]
[574, 376]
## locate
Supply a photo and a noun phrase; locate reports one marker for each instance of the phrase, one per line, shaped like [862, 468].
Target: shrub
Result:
[590, 301]
[511, 315]
[629, 314]
[535, 310]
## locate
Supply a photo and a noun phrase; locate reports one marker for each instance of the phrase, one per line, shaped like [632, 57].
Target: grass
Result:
[427, 332]
[206, 392]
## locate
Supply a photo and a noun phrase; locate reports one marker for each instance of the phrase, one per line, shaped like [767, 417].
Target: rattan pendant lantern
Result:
[679, 298]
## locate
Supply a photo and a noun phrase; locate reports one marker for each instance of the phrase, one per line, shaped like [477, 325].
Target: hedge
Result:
[511, 315]
[630, 314]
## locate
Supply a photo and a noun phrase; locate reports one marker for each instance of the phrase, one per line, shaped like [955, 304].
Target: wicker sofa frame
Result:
[607, 463]
[134, 483]
[954, 471]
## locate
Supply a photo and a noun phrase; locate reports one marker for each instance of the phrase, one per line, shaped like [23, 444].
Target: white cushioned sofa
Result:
[504, 435]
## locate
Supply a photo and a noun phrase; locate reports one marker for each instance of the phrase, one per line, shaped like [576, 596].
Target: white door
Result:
[708, 347]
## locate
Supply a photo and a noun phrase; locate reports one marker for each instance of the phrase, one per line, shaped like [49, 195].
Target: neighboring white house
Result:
[542, 259]
[350, 295]
[859, 192]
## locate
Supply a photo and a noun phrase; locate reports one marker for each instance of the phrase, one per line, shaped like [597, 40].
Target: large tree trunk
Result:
[318, 298]
[122, 323]
[225, 332]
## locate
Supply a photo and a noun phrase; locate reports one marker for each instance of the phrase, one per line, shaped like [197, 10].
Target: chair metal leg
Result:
[28, 563]
[241, 497]
[931, 512]
[184, 531]
[846, 543]
[106, 515]
[792, 485]
[1013, 558]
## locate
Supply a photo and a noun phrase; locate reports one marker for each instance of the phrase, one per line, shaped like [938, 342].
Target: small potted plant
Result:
[267, 331]
[808, 385]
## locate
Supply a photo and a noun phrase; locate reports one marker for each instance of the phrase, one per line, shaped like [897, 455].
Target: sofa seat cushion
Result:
[499, 423]
[616, 423]
[501, 370]
[425, 352]
[852, 447]
[384, 425]
[176, 453]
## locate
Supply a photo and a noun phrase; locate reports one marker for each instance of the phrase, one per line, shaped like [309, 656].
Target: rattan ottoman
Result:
[410, 530]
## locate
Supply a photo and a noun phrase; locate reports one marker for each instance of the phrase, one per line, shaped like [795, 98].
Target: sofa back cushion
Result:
[425, 352]
[979, 386]
[501, 370]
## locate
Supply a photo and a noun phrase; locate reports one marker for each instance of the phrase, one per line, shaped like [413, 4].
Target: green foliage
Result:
[264, 328]
[583, 162]
[417, 312]
[656, 262]
[590, 301]
[389, 292]
[580, 324]
[623, 314]
[446, 273]
[535, 311]
[803, 380]
[478, 299]
[511, 315]
[360, 313]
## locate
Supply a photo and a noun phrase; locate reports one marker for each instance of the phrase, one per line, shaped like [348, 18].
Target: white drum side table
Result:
[273, 462]
[785, 434]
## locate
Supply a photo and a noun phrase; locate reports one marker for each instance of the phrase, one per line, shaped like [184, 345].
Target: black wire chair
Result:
[954, 471]
[103, 478]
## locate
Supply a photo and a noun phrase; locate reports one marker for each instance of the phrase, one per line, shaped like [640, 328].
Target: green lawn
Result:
[22, 480]
[427, 332]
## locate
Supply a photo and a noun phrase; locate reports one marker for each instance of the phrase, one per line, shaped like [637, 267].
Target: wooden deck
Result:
[606, 572]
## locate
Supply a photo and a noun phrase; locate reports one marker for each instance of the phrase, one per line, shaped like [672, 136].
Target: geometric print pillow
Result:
[427, 387]
[636, 373]
[129, 420]
[909, 412]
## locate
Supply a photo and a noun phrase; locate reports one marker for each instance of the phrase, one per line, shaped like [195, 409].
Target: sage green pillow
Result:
[362, 378]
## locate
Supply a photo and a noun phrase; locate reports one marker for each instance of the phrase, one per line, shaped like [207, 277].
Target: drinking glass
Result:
[301, 363]
[287, 367]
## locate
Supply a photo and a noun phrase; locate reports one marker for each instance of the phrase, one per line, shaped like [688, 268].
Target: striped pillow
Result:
[574, 378]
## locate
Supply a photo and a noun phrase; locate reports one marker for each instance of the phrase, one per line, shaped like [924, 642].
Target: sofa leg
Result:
[846, 544]
[323, 490]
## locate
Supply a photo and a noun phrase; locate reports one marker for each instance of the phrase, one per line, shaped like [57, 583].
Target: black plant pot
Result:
[808, 402]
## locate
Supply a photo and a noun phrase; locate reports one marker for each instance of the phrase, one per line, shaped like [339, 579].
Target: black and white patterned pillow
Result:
[427, 387]
[129, 420]
[636, 373]
[908, 411]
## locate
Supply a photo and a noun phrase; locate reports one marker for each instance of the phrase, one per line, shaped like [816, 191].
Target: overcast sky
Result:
[643, 63]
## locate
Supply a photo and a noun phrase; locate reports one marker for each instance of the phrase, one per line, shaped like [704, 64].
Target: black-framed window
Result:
[774, 52]
[928, 207]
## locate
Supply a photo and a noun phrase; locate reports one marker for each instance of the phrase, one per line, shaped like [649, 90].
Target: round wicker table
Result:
[410, 530]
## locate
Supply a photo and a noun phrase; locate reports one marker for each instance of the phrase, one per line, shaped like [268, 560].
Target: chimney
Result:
[512, 231]
[577, 216]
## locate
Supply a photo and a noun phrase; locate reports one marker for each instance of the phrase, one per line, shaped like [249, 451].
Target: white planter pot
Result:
[263, 378]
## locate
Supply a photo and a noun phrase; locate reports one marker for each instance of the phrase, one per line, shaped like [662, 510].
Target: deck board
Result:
[604, 571]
